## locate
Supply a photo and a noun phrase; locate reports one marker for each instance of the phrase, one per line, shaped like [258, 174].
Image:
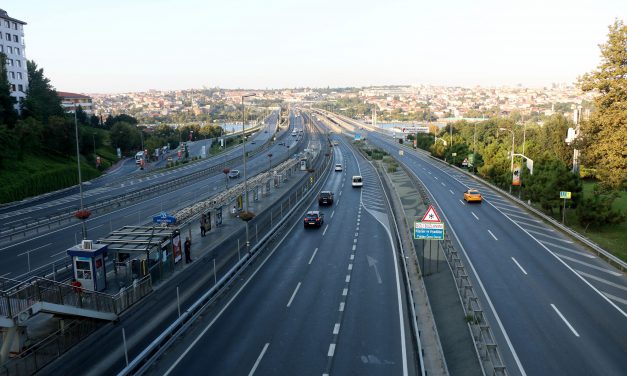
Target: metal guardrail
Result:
[597, 249]
[483, 337]
[19, 298]
[157, 347]
[408, 290]
[41, 225]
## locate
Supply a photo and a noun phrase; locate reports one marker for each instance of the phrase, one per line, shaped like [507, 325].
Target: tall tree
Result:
[41, 100]
[8, 116]
[605, 134]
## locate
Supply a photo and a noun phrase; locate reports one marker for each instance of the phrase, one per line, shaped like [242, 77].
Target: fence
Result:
[483, 337]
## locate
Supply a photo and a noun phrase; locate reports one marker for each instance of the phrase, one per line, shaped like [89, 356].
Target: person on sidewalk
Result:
[188, 250]
[203, 223]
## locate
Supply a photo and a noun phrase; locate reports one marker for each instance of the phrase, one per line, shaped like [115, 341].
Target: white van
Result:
[358, 181]
[138, 157]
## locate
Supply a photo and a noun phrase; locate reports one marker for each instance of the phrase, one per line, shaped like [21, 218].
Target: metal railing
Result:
[483, 337]
[24, 295]
[264, 230]
[49, 349]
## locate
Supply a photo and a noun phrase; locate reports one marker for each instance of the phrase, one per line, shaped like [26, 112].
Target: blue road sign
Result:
[432, 231]
[164, 217]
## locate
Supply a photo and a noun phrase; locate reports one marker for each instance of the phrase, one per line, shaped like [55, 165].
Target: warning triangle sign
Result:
[431, 216]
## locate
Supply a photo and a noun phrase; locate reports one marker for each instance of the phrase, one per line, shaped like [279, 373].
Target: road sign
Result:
[565, 195]
[357, 136]
[164, 217]
[431, 216]
[516, 175]
[432, 231]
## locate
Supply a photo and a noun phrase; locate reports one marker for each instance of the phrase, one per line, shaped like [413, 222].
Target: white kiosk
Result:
[88, 264]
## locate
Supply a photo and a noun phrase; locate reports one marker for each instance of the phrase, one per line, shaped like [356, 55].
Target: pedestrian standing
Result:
[203, 222]
[188, 250]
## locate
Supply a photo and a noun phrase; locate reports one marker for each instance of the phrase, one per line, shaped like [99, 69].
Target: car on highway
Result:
[338, 167]
[281, 143]
[325, 198]
[472, 195]
[313, 218]
[233, 174]
[357, 181]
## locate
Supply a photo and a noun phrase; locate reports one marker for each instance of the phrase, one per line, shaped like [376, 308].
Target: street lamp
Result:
[244, 148]
[511, 167]
[270, 157]
[80, 179]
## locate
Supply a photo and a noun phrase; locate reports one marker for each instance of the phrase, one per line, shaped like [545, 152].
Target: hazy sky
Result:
[135, 45]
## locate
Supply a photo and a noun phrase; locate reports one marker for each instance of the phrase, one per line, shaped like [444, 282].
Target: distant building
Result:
[69, 101]
[12, 45]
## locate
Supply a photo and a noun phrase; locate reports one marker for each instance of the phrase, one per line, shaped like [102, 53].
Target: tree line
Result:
[487, 145]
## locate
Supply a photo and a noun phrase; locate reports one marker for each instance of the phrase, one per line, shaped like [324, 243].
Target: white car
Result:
[357, 181]
[338, 167]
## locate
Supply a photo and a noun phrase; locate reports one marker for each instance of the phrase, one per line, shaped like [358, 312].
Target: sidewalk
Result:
[204, 246]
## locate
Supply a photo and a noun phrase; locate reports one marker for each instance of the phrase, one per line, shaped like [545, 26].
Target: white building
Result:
[12, 45]
[70, 101]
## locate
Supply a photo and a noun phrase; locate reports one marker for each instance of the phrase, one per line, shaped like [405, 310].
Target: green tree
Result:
[8, 115]
[597, 211]
[605, 134]
[550, 176]
[124, 136]
[551, 138]
[42, 101]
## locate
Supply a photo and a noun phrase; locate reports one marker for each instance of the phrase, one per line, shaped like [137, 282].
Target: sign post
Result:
[566, 196]
[429, 228]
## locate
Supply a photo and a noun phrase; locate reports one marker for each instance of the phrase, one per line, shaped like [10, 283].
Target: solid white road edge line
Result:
[564, 319]
[252, 371]
[485, 293]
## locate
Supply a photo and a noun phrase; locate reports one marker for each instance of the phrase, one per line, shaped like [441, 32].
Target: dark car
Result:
[325, 198]
[313, 218]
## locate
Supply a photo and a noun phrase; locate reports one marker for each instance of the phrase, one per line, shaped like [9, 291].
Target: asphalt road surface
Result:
[327, 300]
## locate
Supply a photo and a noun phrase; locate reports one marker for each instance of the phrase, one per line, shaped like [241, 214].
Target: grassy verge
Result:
[612, 238]
[35, 175]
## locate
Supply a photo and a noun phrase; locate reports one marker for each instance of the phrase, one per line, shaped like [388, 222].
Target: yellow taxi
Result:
[472, 195]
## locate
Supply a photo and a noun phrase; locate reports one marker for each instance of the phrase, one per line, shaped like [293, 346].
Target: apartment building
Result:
[70, 101]
[12, 45]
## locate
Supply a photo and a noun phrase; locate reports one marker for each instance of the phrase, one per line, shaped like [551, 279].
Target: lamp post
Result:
[474, 148]
[511, 166]
[80, 179]
[244, 157]
[270, 157]
[244, 149]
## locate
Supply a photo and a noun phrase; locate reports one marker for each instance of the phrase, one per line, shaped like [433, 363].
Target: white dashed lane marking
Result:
[495, 238]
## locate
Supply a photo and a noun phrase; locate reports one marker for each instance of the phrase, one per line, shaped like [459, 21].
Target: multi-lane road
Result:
[556, 309]
[36, 253]
[331, 301]
[326, 301]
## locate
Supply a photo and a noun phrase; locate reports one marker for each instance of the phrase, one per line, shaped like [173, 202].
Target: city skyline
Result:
[130, 47]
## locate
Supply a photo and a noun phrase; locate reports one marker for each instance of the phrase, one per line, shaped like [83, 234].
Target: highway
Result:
[555, 308]
[37, 253]
[325, 301]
